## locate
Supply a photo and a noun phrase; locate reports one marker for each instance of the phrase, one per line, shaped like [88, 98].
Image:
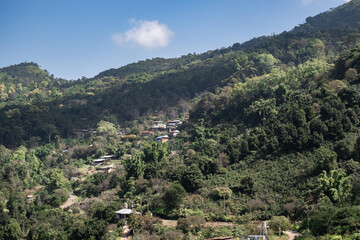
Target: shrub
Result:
[220, 193]
[174, 195]
[279, 223]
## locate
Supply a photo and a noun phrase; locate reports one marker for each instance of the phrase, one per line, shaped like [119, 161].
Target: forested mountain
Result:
[26, 82]
[289, 131]
[160, 85]
[344, 17]
[273, 134]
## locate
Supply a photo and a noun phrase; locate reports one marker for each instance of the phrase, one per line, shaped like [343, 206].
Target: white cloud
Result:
[149, 34]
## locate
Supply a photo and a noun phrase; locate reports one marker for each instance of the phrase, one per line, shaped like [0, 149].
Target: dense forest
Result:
[270, 132]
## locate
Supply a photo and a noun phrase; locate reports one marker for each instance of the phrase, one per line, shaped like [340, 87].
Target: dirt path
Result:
[71, 200]
[172, 223]
[126, 233]
[218, 224]
[292, 234]
[169, 223]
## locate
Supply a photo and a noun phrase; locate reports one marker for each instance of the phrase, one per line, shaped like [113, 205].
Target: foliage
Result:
[12, 230]
[57, 179]
[336, 186]
[134, 166]
[333, 220]
[192, 178]
[174, 195]
[273, 131]
[191, 223]
[280, 223]
[154, 155]
[105, 127]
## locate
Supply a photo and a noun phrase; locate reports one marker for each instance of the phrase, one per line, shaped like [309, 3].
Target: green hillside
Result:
[293, 134]
[162, 85]
[345, 16]
[26, 82]
[270, 132]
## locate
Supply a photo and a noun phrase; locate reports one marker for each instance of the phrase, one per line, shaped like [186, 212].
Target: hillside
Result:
[170, 92]
[167, 85]
[289, 133]
[26, 82]
[267, 130]
[344, 17]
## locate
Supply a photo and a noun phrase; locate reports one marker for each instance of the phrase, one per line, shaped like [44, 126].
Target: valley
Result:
[198, 147]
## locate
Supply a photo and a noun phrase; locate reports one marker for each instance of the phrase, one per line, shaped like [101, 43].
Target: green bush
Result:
[174, 195]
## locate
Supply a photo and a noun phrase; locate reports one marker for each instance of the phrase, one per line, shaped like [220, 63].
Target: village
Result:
[159, 132]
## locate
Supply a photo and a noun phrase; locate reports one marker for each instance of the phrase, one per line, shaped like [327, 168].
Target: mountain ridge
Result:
[267, 133]
[315, 23]
[164, 85]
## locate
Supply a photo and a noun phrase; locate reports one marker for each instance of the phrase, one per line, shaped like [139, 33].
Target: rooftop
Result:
[126, 211]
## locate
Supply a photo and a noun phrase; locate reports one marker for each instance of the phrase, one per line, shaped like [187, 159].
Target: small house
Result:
[130, 137]
[106, 169]
[102, 159]
[147, 133]
[174, 133]
[177, 122]
[157, 123]
[160, 127]
[30, 198]
[123, 213]
[171, 125]
[98, 161]
[162, 139]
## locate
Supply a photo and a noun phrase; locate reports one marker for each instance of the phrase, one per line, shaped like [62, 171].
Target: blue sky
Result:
[75, 38]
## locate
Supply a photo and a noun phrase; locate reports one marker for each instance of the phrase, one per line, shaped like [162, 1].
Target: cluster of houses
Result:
[83, 132]
[169, 129]
[160, 127]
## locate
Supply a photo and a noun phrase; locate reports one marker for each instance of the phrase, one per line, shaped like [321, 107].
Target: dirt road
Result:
[126, 233]
[71, 200]
[292, 234]
[172, 223]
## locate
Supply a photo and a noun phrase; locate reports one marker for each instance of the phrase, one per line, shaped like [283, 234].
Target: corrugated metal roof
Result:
[124, 211]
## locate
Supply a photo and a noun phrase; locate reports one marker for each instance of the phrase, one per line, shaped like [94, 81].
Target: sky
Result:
[76, 38]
